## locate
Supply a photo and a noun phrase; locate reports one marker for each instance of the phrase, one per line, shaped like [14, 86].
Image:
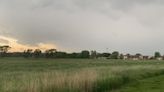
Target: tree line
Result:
[53, 53]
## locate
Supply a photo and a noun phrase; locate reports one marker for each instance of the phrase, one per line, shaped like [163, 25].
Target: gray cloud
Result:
[124, 25]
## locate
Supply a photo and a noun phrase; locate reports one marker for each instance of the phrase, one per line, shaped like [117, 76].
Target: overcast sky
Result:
[128, 26]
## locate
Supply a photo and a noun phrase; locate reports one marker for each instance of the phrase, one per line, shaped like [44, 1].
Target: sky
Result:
[128, 26]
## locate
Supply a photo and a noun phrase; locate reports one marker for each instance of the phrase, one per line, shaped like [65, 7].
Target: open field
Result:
[73, 75]
[153, 84]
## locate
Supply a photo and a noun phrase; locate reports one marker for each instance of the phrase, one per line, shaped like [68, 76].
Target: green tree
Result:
[157, 55]
[115, 55]
[93, 54]
[85, 54]
[106, 54]
[61, 55]
[75, 55]
[121, 56]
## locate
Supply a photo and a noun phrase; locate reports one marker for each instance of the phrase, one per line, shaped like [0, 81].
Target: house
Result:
[140, 57]
[126, 57]
[135, 57]
[159, 58]
[146, 58]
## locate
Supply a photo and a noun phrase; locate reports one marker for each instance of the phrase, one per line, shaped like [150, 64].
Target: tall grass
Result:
[84, 79]
[81, 81]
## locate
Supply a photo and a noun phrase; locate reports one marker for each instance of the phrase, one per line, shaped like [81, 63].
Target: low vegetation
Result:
[72, 75]
[152, 84]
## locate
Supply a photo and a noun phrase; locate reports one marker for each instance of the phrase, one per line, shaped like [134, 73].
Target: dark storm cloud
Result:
[125, 25]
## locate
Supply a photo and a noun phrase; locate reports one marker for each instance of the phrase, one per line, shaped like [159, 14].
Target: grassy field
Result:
[74, 75]
[153, 84]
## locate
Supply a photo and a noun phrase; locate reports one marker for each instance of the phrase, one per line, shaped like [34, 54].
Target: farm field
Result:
[78, 75]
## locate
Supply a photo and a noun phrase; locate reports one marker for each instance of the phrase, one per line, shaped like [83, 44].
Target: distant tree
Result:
[157, 55]
[93, 54]
[138, 54]
[121, 56]
[98, 55]
[47, 54]
[105, 54]
[4, 49]
[61, 55]
[115, 55]
[85, 54]
[28, 53]
[50, 53]
[151, 58]
[74, 55]
[37, 53]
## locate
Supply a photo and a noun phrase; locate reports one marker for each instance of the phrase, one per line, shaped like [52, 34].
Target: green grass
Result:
[154, 84]
[73, 75]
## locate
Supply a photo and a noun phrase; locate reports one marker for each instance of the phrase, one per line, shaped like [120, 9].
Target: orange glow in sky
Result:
[21, 47]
